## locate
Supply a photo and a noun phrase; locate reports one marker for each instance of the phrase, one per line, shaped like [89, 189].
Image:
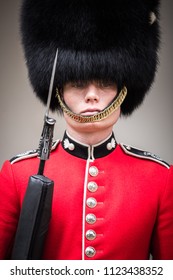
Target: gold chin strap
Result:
[97, 117]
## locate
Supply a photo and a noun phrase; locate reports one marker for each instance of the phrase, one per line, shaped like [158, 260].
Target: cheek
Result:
[69, 101]
[67, 98]
[73, 102]
[113, 118]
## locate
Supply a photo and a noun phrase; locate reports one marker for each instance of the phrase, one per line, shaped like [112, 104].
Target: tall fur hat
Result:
[112, 40]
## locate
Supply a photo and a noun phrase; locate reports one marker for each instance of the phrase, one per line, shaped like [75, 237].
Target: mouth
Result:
[90, 112]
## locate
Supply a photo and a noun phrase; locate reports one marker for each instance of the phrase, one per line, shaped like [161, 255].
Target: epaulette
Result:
[143, 154]
[31, 153]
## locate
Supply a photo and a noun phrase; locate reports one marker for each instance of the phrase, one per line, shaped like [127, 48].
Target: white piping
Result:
[84, 201]
[84, 206]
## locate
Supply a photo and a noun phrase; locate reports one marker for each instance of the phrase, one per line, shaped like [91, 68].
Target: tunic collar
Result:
[84, 151]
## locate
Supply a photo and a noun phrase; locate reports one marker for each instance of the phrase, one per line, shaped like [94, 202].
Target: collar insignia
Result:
[84, 151]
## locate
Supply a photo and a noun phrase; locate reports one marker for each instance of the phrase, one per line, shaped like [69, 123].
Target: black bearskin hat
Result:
[115, 40]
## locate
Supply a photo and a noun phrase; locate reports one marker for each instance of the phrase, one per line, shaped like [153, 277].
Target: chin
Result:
[94, 126]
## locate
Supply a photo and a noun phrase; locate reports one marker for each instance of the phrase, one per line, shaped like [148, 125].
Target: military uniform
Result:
[110, 201]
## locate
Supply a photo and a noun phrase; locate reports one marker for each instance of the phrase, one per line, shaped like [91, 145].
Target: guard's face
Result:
[87, 99]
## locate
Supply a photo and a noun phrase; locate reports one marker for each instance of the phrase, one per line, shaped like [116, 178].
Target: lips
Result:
[90, 112]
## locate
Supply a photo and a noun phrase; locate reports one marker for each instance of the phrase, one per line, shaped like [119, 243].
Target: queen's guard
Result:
[110, 200]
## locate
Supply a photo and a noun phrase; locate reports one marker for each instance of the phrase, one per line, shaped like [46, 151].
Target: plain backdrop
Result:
[21, 114]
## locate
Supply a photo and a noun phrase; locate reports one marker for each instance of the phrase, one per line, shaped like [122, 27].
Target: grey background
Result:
[21, 114]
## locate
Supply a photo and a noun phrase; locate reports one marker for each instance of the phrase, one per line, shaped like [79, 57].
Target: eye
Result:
[79, 84]
[106, 84]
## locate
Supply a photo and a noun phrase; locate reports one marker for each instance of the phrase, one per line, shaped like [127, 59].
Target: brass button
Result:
[92, 186]
[90, 252]
[90, 234]
[90, 219]
[91, 202]
[93, 171]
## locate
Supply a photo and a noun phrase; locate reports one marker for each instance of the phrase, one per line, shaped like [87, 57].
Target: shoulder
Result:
[31, 153]
[144, 155]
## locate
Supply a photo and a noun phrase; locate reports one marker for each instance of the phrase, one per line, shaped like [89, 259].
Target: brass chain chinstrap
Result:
[97, 117]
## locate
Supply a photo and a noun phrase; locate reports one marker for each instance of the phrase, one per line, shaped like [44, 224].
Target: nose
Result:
[92, 94]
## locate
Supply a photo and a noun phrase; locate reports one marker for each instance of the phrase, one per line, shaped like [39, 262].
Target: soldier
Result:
[110, 201]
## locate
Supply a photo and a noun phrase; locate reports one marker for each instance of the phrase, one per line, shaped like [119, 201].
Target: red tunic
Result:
[110, 202]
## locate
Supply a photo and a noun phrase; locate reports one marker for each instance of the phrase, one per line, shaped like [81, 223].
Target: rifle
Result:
[37, 204]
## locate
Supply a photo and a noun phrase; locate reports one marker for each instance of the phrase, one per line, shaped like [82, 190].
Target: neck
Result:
[89, 138]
